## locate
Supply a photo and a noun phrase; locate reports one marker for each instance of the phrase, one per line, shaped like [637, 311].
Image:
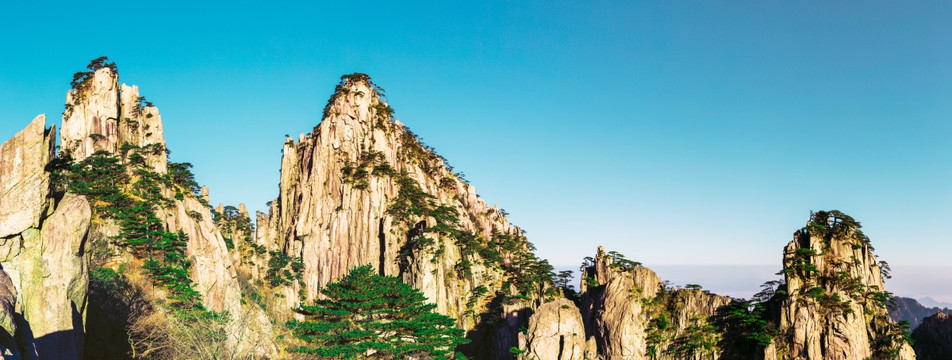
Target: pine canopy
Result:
[366, 315]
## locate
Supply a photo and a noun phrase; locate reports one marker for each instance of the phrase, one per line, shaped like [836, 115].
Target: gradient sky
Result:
[676, 132]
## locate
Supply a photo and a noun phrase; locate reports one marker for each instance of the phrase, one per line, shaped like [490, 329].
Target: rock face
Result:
[909, 309]
[556, 332]
[933, 338]
[835, 306]
[632, 315]
[24, 182]
[44, 276]
[101, 115]
[104, 116]
[361, 189]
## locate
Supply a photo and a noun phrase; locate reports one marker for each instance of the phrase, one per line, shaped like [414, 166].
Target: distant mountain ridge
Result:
[911, 310]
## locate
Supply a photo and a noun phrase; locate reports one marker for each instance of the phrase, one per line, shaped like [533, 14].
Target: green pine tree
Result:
[367, 315]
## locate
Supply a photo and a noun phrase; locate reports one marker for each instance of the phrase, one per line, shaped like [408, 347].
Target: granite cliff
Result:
[361, 188]
[833, 304]
[43, 253]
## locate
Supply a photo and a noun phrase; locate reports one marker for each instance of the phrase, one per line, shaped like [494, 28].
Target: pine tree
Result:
[367, 315]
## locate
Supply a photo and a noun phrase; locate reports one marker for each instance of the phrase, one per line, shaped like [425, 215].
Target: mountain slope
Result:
[362, 189]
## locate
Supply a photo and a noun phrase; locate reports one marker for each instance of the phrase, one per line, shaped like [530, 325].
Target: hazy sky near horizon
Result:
[687, 132]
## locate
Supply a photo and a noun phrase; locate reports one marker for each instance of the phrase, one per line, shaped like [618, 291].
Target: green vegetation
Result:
[834, 224]
[283, 270]
[365, 312]
[82, 79]
[370, 163]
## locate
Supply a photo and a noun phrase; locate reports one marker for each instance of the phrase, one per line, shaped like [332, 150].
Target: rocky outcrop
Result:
[556, 332]
[361, 189]
[910, 310]
[102, 116]
[53, 268]
[24, 181]
[835, 304]
[44, 277]
[933, 338]
[631, 314]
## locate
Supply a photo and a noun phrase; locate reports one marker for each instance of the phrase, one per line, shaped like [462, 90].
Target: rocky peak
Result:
[102, 115]
[361, 188]
[632, 314]
[835, 305]
[112, 120]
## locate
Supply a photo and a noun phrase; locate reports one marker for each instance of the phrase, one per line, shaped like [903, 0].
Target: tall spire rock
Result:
[102, 115]
[362, 189]
[835, 302]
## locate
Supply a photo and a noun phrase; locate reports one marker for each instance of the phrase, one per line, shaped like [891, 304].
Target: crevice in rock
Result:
[382, 237]
[561, 345]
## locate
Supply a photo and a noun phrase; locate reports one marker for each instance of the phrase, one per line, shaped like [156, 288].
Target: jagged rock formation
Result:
[631, 314]
[933, 338]
[910, 310]
[361, 189]
[102, 116]
[556, 332]
[835, 300]
[43, 261]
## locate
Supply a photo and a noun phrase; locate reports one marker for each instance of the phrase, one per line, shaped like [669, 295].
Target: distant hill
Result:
[911, 310]
[930, 302]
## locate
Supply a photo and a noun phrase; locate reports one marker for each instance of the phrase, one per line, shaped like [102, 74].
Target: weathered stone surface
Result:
[830, 310]
[336, 222]
[24, 181]
[556, 332]
[8, 317]
[613, 309]
[54, 280]
[105, 116]
[620, 300]
[90, 122]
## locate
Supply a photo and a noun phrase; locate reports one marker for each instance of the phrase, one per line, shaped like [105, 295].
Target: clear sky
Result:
[676, 132]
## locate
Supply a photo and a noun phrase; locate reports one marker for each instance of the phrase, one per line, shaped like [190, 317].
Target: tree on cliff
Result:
[368, 315]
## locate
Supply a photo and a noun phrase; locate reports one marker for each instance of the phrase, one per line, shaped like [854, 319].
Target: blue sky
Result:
[678, 132]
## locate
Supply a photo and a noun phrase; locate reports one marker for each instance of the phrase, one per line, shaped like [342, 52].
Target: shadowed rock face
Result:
[933, 338]
[43, 262]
